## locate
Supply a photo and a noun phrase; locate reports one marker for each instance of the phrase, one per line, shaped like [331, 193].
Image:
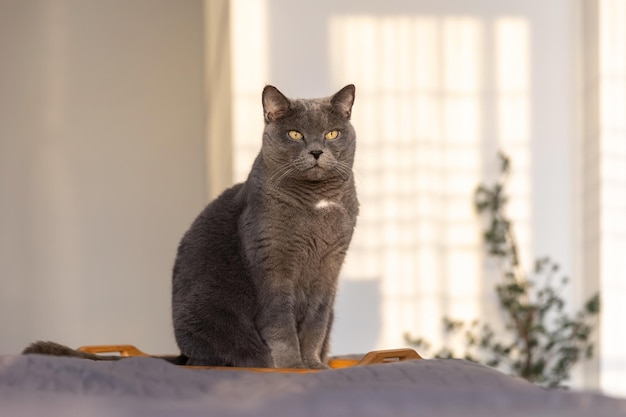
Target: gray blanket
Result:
[51, 386]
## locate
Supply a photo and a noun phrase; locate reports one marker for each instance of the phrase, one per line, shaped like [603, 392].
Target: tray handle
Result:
[387, 356]
[123, 350]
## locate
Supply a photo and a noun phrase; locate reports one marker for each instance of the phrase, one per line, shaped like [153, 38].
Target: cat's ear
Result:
[275, 104]
[343, 100]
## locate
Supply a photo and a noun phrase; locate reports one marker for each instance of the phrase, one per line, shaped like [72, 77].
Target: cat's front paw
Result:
[298, 365]
[317, 365]
[289, 363]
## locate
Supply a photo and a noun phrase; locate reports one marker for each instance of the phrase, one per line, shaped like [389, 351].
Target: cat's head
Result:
[308, 139]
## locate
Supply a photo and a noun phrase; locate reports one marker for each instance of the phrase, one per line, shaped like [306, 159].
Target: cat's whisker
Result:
[300, 162]
[281, 175]
[343, 169]
[361, 181]
[281, 169]
[279, 172]
[342, 172]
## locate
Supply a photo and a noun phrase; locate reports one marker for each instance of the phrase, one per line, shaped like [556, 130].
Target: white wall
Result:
[101, 166]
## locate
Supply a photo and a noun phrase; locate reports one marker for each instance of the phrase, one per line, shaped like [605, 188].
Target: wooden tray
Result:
[374, 357]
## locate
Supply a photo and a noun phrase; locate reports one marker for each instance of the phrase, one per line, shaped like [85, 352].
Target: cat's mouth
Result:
[318, 167]
[314, 169]
[315, 164]
[313, 172]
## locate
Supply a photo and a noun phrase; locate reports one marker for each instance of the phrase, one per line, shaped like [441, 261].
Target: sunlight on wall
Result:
[250, 73]
[612, 192]
[512, 58]
[420, 117]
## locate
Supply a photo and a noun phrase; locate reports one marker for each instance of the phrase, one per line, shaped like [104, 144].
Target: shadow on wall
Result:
[357, 317]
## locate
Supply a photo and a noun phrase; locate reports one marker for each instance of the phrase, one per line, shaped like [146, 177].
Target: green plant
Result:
[541, 341]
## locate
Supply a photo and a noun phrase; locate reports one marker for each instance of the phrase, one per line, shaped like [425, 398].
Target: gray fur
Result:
[256, 274]
[55, 349]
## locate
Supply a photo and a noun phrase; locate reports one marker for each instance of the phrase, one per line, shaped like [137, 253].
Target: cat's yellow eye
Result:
[332, 135]
[294, 134]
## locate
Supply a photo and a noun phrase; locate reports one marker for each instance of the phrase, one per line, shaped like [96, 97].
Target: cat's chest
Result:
[318, 224]
[323, 214]
[324, 205]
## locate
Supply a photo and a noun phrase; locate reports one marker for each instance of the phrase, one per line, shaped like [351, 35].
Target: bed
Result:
[34, 385]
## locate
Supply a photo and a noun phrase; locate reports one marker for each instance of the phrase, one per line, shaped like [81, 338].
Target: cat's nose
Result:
[316, 154]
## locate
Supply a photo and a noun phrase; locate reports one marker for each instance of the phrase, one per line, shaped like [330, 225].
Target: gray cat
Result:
[255, 277]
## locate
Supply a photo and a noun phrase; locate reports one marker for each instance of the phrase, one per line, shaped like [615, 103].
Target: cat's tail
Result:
[55, 349]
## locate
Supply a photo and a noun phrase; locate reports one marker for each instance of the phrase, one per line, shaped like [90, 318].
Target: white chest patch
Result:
[322, 204]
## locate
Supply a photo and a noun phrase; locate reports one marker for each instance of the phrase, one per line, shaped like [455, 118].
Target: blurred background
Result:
[121, 119]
